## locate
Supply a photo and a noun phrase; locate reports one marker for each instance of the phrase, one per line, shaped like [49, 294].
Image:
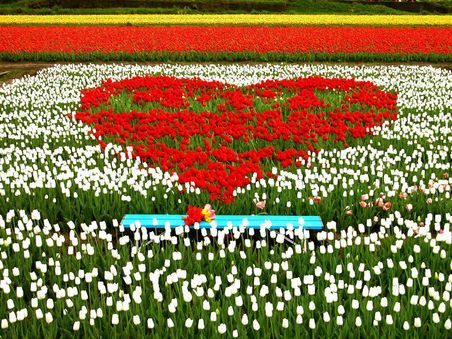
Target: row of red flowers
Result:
[305, 39]
[216, 135]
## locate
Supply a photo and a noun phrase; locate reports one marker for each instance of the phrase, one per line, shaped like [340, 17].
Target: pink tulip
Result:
[261, 204]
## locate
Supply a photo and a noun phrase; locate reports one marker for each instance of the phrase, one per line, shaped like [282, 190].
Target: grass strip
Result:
[193, 56]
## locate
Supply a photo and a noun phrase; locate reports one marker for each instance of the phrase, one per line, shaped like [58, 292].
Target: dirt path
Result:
[11, 71]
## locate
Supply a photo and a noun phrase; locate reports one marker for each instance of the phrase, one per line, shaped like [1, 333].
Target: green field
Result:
[190, 6]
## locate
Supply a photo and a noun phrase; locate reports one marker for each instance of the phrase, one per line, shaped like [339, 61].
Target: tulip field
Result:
[368, 148]
[225, 43]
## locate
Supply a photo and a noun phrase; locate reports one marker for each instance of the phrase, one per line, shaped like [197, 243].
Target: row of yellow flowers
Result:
[227, 19]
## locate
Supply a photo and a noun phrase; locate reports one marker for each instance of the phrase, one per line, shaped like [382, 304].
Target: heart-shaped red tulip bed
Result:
[216, 135]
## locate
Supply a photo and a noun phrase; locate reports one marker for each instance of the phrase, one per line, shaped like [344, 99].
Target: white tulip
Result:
[115, 319]
[222, 328]
[136, 319]
[389, 319]
[188, 323]
[448, 324]
[417, 322]
[256, 325]
[312, 324]
[406, 325]
[358, 321]
[169, 323]
[48, 317]
[150, 323]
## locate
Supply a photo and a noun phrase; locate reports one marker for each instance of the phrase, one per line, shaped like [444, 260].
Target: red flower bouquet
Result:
[198, 214]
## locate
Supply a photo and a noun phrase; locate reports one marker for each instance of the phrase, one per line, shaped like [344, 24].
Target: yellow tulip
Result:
[228, 19]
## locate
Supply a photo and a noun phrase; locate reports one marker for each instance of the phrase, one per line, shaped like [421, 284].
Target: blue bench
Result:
[274, 222]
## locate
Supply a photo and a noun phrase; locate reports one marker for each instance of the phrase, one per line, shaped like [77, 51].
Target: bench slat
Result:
[308, 222]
